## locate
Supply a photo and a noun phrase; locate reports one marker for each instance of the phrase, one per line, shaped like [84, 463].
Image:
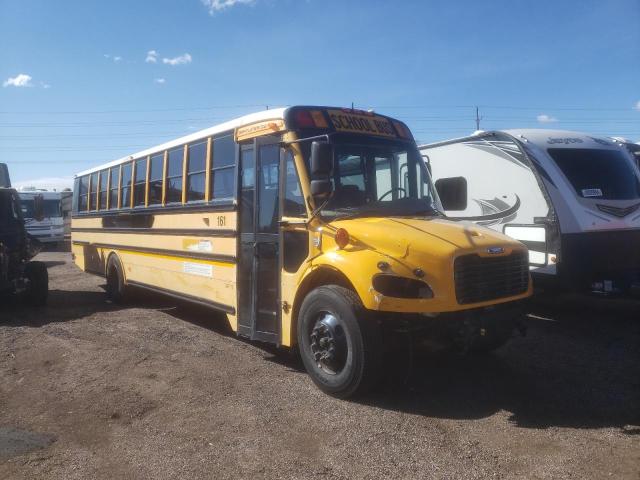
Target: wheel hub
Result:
[328, 344]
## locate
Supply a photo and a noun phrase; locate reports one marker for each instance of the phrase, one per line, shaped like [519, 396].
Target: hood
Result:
[398, 236]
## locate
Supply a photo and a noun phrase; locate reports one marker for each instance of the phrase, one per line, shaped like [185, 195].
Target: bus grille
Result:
[486, 278]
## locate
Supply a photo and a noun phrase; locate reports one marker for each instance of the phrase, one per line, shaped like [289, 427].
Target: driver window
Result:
[350, 190]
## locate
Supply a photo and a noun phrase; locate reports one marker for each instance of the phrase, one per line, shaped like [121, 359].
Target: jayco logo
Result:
[565, 141]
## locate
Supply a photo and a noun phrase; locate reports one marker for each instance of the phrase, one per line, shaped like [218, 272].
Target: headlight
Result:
[401, 287]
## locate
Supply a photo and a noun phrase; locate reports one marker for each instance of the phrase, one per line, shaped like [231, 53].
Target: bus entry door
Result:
[259, 263]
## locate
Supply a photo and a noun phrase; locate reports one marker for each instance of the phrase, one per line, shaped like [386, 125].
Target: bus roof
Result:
[320, 117]
[271, 114]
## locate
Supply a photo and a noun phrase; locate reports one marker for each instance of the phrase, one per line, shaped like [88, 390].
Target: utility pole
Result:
[478, 118]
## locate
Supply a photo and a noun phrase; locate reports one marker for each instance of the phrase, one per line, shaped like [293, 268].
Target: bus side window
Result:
[140, 183]
[293, 199]
[104, 177]
[83, 193]
[125, 191]
[155, 179]
[174, 175]
[113, 187]
[223, 167]
[196, 166]
[93, 192]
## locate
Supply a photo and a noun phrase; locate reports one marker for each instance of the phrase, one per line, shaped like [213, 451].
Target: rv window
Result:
[598, 173]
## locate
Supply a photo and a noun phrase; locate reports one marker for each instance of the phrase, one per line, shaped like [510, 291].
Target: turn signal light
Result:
[342, 238]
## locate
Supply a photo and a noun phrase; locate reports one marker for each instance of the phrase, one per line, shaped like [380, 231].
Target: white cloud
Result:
[20, 80]
[115, 58]
[160, 81]
[219, 5]
[152, 56]
[544, 118]
[45, 85]
[637, 106]
[180, 60]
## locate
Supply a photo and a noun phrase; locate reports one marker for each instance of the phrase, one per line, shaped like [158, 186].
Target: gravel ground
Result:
[91, 390]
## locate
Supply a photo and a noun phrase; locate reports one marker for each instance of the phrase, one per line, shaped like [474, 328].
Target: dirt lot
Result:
[90, 390]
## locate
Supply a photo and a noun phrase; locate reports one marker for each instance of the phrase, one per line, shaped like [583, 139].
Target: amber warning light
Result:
[342, 237]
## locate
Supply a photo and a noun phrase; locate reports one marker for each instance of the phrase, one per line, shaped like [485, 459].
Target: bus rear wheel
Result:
[339, 342]
[116, 288]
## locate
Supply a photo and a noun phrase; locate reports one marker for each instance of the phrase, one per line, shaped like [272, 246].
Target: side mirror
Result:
[321, 159]
[38, 208]
[452, 192]
[321, 166]
[321, 188]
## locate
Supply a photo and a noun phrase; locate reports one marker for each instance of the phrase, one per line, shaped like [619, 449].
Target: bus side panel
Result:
[179, 253]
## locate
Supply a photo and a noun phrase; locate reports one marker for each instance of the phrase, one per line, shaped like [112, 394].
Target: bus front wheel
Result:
[339, 342]
[116, 288]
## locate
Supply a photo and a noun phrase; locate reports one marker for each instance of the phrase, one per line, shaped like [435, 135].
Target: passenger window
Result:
[104, 178]
[223, 168]
[155, 179]
[125, 191]
[113, 187]
[293, 199]
[93, 193]
[83, 193]
[197, 159]
[140, 185]
[174, 175]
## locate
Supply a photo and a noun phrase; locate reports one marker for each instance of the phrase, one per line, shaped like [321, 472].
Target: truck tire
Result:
[339, 342]
[38, 284]
[116, 288]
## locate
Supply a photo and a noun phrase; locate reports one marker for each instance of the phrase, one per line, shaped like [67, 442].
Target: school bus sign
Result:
[345, 121]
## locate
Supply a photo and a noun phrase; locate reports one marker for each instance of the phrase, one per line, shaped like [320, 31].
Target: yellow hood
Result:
[398, 237]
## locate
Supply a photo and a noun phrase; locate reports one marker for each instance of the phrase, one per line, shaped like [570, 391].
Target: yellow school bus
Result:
[316, 228]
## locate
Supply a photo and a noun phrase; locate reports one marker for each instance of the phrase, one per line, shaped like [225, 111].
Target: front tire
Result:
[339, 342]
[38, 284]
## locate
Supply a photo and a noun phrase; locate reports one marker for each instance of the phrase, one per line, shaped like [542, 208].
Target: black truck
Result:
[19, 276]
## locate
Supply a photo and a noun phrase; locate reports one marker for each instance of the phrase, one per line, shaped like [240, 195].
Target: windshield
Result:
[380, 179]
[51, 208]
[596, 173]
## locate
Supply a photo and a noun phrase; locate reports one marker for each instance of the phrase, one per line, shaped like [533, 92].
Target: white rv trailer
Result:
[572, 198]
[634, 148]
[49, 229]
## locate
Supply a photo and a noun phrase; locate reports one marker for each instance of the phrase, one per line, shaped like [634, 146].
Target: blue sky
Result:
[80, 88]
